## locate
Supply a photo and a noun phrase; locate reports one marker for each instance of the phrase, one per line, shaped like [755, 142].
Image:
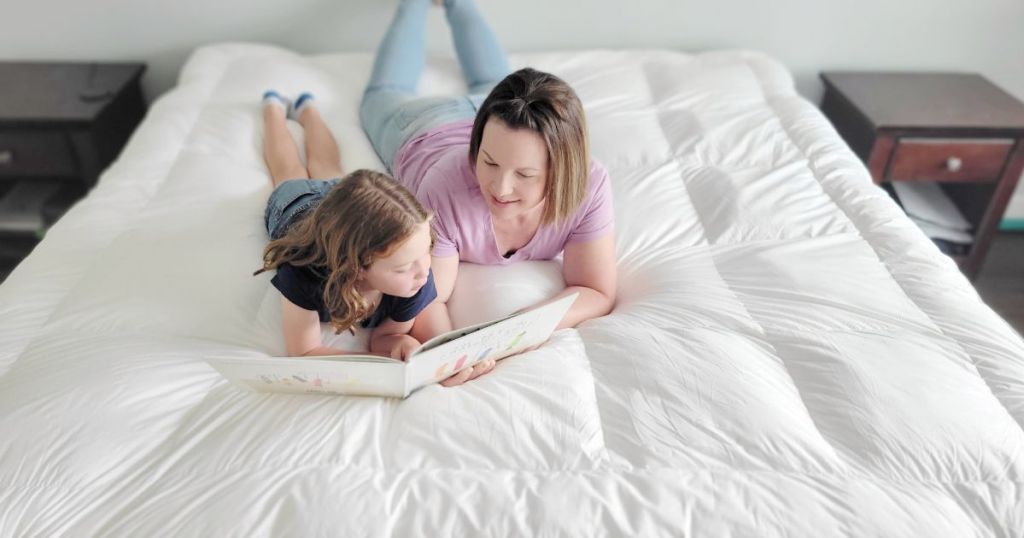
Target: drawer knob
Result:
[954, 164]
[6, 157]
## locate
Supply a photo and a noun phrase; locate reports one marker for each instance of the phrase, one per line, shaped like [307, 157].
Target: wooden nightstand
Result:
[61, 124]
[955, 129]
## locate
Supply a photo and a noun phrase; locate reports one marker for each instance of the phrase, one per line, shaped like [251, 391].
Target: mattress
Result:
[788, 355]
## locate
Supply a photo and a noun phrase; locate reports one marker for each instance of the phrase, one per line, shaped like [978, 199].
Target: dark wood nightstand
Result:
[959, 130]
[61, 124]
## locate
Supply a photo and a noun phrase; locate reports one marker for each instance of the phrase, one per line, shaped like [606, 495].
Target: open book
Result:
[435, 360]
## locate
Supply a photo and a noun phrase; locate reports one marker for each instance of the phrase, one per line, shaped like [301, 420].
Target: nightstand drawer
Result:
[948, 159]
[28, 153]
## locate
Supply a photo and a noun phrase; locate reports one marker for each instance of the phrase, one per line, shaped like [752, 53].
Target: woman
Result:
[508, 176]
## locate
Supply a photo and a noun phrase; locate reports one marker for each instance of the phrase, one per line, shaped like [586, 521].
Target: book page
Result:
[457, 333]
[339, 374]
[493, 340]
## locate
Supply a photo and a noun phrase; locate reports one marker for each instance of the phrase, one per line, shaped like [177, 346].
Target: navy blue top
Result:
[304, 286]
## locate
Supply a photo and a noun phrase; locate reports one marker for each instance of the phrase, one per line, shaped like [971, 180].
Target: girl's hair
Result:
[363, 218]
[545, 104]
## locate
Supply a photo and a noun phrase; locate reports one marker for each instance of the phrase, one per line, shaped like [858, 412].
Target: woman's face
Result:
[512, 169]
[404, 271]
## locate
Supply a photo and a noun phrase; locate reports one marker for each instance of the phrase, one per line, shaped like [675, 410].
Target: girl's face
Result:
[403, 272]
[512, 169]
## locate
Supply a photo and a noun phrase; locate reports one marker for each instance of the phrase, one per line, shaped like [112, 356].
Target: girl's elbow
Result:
[298, 351]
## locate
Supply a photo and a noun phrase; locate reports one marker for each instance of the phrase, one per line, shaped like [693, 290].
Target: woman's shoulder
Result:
[595, 215]
[598, 182]
[598, 172]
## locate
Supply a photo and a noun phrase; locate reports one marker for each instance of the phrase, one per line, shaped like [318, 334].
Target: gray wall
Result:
[985, 36]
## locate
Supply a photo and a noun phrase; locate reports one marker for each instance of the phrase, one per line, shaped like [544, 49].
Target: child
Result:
[346, 250]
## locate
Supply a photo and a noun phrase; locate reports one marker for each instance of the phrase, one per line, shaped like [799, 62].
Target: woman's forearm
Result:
[432, 321]
[590, 304]
[435, 319]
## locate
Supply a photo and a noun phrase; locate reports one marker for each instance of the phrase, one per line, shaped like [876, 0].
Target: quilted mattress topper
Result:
[788, 355]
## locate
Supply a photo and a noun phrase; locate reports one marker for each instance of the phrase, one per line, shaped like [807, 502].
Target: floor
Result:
[1001, 280]
[12, 250]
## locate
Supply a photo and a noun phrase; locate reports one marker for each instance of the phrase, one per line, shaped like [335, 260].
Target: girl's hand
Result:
[473, 372]
[403, 347]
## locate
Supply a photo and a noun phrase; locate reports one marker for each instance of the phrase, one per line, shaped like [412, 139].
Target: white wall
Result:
[986, 36]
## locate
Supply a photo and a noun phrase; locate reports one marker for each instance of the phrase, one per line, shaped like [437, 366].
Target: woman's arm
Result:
[434, 319]
[589, 268]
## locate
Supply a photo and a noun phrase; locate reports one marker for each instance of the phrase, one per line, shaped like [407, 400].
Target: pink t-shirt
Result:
[435, 167]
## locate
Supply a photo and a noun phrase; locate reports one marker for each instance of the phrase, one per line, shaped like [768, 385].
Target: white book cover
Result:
[435, 360]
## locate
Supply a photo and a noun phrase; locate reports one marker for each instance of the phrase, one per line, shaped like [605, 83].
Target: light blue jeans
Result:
[391, 113]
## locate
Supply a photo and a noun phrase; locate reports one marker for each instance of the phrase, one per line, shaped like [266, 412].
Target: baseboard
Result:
[1016, 225]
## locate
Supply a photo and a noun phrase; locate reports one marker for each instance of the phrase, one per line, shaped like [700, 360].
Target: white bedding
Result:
[788, 355]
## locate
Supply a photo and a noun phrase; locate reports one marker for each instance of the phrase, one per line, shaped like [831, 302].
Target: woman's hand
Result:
[472, 372]
[403, 346]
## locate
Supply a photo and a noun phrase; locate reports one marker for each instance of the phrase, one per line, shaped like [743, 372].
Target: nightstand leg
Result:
[990, 222]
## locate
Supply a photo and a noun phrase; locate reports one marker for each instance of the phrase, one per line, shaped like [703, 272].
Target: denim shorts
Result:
[291, 200]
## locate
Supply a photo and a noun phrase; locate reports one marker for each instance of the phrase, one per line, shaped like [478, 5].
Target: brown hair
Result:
[364, 217]
[545, 104]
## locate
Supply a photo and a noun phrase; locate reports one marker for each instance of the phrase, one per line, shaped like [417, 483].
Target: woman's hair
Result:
[545, 104]
[363, 218]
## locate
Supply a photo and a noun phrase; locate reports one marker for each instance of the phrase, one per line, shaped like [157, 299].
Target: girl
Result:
[508, 177]
[348, 250]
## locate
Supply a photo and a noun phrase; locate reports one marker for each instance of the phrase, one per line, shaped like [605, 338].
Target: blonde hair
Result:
[363, 218]
[545, 104]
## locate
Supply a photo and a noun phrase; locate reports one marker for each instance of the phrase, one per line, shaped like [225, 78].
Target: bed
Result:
[789, 355]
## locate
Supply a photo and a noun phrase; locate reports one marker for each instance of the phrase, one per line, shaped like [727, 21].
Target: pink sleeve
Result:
[596, 216]
[442, 223]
